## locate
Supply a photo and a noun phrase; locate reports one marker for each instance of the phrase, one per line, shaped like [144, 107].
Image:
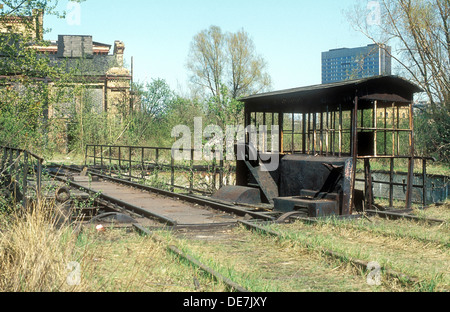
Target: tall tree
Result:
[418, 30]
[207, 60]
[225, 67]
[247, 68]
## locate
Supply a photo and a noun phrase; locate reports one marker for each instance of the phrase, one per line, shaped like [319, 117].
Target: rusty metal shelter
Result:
[324, 131]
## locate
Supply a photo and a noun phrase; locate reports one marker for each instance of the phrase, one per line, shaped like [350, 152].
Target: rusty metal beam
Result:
[354, 143]
[210, 203]
[230, 284]
[410, 182]
[119, 202]
[396, 215]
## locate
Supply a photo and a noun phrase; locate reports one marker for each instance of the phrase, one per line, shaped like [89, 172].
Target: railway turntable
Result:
[322, 134]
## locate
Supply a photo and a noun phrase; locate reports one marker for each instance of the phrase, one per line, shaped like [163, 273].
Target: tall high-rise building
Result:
[355, 63]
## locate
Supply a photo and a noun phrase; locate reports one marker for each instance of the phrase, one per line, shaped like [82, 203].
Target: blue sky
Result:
[289, 34]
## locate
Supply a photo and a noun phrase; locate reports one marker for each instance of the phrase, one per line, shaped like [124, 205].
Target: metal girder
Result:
[119, 202]
[210, 203]
[396, 215]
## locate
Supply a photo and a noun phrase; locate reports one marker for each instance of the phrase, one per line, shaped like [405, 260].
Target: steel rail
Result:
[232, 286]
[395, 215]
[210, 203]
[119, 202]
[362, 264]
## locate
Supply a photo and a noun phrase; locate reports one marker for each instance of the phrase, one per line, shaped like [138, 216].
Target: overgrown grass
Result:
[263, 264]
[440, 211]
[38, 255]
[126, 262]
[33, 253]
[415, 249]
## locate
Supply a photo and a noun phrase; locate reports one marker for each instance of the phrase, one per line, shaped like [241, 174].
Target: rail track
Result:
[189, 214]
[169, 208]
[361, 264]
[136, 204]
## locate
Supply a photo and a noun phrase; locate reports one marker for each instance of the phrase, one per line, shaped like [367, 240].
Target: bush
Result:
[432, 133]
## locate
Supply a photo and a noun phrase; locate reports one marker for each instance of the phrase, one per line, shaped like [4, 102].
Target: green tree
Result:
[418, 31]
[225, 67]
[247, 69]
[25, 91]
[224, 109]
[155, 98]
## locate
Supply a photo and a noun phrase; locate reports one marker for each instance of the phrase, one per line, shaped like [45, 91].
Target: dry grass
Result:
[263, 264]
[37, 255]
[33, 252]
[437, 211]
[414, 249]
[121, 261]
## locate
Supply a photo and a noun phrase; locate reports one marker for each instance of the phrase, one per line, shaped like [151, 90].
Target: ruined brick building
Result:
[97, 66]
[101, 68]
[29, 26]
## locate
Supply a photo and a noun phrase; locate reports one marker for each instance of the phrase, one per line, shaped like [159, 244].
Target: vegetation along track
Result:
[262, 263]
[295, 260]
[331, 255]
[413, 252]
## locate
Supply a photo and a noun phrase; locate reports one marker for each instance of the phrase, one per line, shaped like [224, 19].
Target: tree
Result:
[207, 60]
[25, 93]
[247, 69]
[225, 67]
[419, 32]
[155, 98]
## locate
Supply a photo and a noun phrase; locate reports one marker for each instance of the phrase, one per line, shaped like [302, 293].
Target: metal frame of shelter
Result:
[364, 119]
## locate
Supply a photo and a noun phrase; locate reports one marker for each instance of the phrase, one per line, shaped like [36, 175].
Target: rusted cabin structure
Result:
[324, 132]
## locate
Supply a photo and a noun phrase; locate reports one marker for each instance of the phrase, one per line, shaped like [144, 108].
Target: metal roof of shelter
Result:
[328, 97]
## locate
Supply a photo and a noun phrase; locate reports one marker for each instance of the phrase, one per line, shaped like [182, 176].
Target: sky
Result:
[289, 34]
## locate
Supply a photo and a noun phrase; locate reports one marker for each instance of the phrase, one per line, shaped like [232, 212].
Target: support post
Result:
[17, 178]
[110, 160]
[191, 179]
[424, 179]
[120, 159]
[314, 133]
[94, 156]
[281, 123]
[409, 192]
[368, 185]
[375, 126]
[25, 178]
[129, 162]
[340, 130]
[142, 163]
[101, 158]
[391, 183]
[157, 161]
[172, 172]
[39, 179]
[354, 143]
[304, 133]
